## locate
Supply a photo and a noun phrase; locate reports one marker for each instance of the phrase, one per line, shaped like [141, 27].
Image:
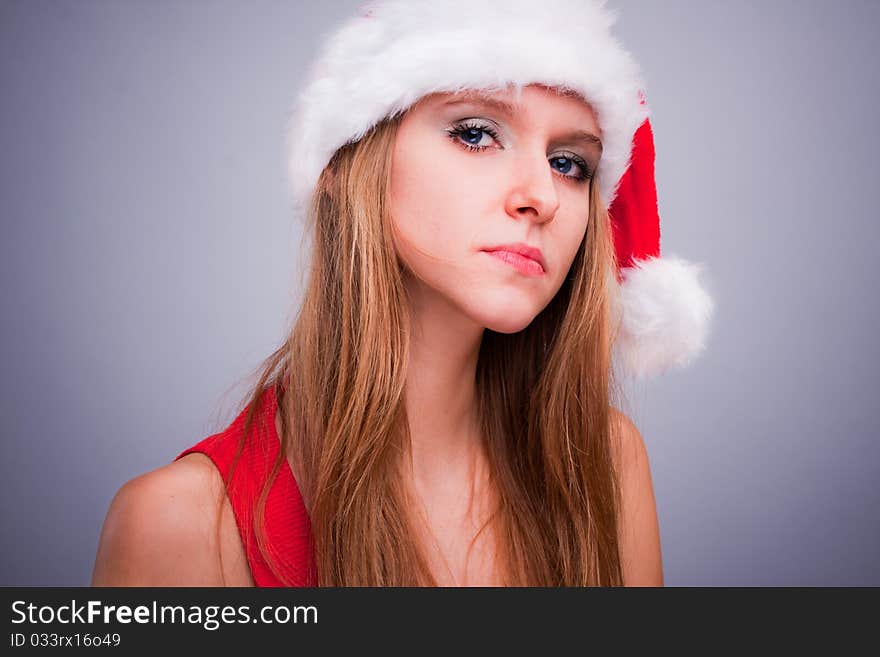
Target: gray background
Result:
[149, 262]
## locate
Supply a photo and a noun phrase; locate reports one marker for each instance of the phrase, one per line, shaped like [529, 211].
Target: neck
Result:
[441, 389]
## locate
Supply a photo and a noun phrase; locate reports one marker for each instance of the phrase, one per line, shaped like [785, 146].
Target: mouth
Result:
[528, 264]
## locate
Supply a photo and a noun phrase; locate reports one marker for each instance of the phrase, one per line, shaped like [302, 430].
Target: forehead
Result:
[515, 101]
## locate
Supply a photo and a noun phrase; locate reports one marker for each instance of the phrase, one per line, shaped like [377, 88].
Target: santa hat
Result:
[379, 63]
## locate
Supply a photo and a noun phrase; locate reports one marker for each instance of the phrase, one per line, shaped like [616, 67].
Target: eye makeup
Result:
[464, 131]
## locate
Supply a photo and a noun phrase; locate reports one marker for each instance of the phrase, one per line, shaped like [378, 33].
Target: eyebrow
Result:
[586, 137]
[476, 98]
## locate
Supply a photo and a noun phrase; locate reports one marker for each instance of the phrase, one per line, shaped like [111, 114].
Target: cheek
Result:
[574, 232]
[568, 235]
[433, 210]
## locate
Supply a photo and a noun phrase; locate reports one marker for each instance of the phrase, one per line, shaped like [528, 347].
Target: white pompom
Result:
[663, 314]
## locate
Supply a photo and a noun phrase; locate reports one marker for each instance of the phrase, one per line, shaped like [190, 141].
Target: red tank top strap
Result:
[287, 526]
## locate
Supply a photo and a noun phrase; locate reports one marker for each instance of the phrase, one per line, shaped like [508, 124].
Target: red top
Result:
[287, 527]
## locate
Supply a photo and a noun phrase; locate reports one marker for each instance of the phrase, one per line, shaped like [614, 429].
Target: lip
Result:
[518, 255]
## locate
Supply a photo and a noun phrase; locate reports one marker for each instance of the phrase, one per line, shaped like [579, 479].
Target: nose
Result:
[533, 194]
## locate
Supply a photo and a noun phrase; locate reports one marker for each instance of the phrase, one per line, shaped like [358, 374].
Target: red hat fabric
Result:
[663, 311]
[634, 214]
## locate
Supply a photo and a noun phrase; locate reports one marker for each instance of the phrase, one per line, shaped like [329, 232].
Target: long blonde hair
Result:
[543, 394]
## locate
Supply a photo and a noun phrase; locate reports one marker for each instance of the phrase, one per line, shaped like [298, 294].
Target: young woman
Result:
[478, 183]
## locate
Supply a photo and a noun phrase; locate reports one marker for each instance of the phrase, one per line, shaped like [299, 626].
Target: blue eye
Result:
[565, 163]
[470, 135]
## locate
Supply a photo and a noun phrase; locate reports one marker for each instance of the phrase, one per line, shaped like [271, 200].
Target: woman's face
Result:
[470, 175]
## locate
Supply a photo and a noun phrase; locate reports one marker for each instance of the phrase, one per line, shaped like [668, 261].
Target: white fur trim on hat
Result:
[664, 315]
[380, 63]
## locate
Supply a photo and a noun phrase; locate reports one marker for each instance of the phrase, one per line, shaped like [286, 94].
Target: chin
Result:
[507, 326]
[509, 319]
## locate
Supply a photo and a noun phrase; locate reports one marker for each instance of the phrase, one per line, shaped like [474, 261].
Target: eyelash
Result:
[460, 128]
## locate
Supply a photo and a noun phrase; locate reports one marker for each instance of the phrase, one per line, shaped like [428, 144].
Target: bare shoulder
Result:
[640, 532]
[172, 526]
[629, 446]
